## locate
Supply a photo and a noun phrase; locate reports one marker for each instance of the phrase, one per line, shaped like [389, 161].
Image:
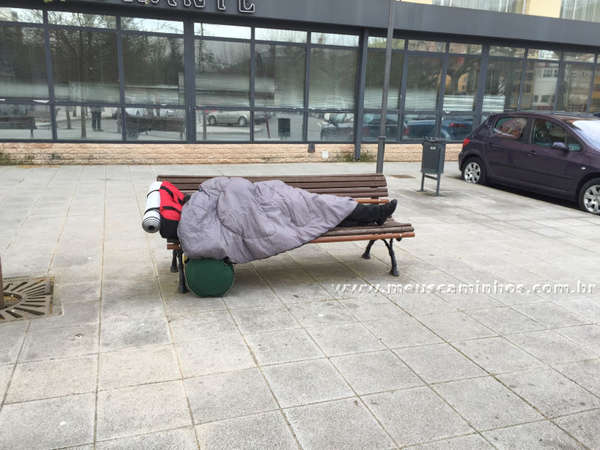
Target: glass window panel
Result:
[271, 34]
[153, 69]
[427, 46]
[280, 74]
[372, 122]
[21, 15]
[222, 73]
[348, 40]
[380, 42]
[543, 54]
[580, 57]
[93, 123]
[332, 78]
[418, 126]
[332, 126]
[461, 83]
[510, 127]
[471, 49]
[596, 92]
[502, 85]
[588, 10]
[225, 31]
[456, 127]
[423, 82]
[278, 125]
[507, 6]
[154, 124]
[81, 20]
[85, 65]
[576, 88]
[540, 85]
[221, 125]
[22, 63]
[25, 122]
[152, 25]
[374, 79]
[507, 51]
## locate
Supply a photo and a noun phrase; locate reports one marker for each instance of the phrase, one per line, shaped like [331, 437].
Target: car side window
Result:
[510, 127]
[546, 133]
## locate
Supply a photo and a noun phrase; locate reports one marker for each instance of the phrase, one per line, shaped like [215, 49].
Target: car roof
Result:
[566, 117]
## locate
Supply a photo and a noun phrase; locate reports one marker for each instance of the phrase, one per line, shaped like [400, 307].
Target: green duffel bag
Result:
[208, 277]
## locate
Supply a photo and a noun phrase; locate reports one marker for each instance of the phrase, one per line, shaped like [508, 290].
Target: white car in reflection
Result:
[239, 118]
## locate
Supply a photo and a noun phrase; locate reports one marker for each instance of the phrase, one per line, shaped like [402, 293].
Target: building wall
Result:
[61, 153]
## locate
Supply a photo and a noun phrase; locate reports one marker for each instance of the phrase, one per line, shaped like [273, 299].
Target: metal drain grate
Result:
[26, 298]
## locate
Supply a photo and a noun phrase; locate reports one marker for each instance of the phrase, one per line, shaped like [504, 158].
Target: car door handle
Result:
[532, 153]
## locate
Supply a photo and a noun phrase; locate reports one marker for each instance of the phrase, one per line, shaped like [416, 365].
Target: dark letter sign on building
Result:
[244, 6]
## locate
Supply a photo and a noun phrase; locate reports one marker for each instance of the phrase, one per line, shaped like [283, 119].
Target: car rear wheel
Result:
[474, 171]
[589, 196]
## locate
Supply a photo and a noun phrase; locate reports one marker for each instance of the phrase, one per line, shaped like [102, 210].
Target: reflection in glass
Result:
[278, 125]
[533, 53]
[88, 123]
[21, 15]
[374, 79]
[461, 83]
[380, 42]
[427, 46]
[372, 122]
[418, 126]
[81, 20]
[271, 34]
[25, 122]
[580, 57]
[502, 85]
[507, 6]
[588, 10]
[153, 69]
[22, 63]
[576, 88]
[154, 124]
[507, 51]
[423, 82]
[596, 92]
[337, 127]
[332, 78]
[471, 49]
[151, 25]
[280, 74]
[85, 65]
[222, 73]
[347, 40]
[456, 126]
[225, 31]
[540, 85]
[221, 125]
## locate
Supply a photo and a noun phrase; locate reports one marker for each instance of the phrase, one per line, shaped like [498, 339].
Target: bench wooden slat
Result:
[303, 185]
[361, 237]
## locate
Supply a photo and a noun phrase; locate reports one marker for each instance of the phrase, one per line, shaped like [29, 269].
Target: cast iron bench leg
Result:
[367, 253]
[390, 246]
[182, 287]
[174, 262]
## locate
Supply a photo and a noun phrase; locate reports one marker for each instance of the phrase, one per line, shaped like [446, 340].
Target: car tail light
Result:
[466, 142]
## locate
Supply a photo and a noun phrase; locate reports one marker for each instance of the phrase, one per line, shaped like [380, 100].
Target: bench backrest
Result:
[352, 185]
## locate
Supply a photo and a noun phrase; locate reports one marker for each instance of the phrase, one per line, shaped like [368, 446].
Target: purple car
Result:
[555, 154]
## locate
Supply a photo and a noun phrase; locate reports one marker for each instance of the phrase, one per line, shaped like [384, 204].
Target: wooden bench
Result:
[365, 188]
[18, 123]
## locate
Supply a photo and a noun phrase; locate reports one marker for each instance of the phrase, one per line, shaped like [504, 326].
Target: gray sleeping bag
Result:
[244, 221]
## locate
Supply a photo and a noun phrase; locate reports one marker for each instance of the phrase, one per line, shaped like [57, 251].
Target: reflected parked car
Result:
[372, 122]
[239, 118]
[556, 154]
[453, 129]
[337, 127]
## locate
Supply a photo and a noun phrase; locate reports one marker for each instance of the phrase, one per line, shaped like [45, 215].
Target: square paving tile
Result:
[263, 431]
[321, 313]
[75, 314]
[77, 292]
[585, 335]
[283, 346]
[416, 415]
[141, 409]
[497, 355]
[376, 309]
[201, 326]
[53, 423]
[440, 362]
[538, 435]
[5, 375]
[11, 340]
[550, 314]
[133, 366]
[486, 404]
[551, 393]
[121, 334]
[222, 353]
[181, 439]
[470, 442]
[506, 320]
[551, 347]
[422, 304]
[227, 395]
[375, 372]
[300, 383]
[405, 332]
[259, 319]
[342, 424]
[456, 326]
[583, 426]
[53, 378]
[584, 373]
[60, 342]
[345, 339]
[471, 302]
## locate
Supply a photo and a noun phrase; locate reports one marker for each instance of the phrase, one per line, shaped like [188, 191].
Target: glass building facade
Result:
[70, 76]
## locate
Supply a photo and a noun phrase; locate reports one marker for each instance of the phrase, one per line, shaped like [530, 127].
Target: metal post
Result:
[2, 304]
[386, 88]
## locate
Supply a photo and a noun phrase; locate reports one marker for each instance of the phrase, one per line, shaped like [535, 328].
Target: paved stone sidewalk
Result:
[303, 352]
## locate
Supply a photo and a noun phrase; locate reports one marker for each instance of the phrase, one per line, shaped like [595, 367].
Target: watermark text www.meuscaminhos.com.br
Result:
[493, 288]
